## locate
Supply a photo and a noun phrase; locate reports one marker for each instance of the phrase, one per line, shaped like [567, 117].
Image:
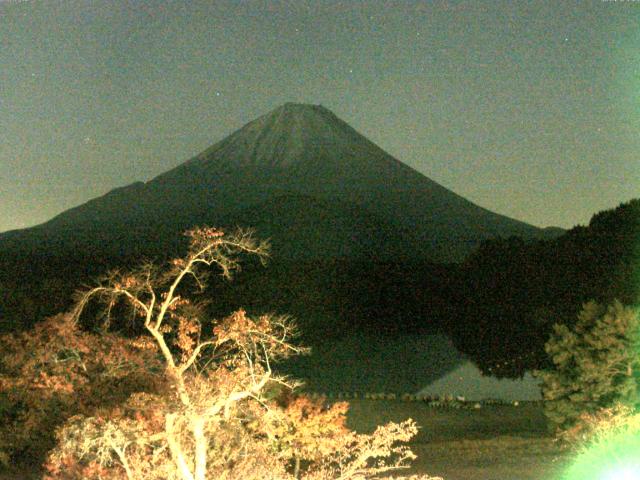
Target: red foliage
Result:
[56, 370]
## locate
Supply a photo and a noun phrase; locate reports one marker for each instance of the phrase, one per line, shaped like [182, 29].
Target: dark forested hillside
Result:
[498, 305]
[509, 292]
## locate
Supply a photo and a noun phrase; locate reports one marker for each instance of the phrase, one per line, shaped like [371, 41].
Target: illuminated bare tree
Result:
[238, 353]
[212, 417]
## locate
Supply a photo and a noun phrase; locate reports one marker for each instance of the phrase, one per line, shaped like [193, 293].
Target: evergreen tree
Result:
[596, 364]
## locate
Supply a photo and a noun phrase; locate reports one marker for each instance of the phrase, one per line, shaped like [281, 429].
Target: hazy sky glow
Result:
[530, 109]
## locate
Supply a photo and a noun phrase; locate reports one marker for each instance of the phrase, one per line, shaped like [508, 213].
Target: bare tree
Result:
[239, 344]
[212, 418]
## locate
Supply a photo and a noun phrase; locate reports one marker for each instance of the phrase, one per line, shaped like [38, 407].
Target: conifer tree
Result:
[596, 364]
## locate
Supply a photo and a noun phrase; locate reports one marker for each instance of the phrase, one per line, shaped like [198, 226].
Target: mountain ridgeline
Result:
[299, 175]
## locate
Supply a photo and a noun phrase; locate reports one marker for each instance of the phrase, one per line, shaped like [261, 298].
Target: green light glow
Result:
[625, 473]
[616, 457]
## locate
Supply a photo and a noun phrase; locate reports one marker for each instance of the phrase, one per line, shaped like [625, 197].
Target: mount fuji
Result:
[356, 237]
[299, 175]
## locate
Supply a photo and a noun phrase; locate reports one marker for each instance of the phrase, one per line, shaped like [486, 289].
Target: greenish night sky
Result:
[530, 109]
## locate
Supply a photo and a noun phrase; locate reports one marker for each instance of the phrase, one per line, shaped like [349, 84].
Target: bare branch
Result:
[196, 353]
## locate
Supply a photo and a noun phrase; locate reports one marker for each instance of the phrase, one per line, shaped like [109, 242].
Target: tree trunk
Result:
[296, 470]
[201, 448]
[176, 450]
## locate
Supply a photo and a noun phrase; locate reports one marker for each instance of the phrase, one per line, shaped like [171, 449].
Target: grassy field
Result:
[499, 442]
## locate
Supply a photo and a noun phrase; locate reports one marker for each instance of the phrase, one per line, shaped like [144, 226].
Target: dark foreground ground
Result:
[498, 442]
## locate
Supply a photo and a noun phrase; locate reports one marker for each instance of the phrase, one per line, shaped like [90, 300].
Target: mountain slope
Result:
[307, 149]
[294, 150]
